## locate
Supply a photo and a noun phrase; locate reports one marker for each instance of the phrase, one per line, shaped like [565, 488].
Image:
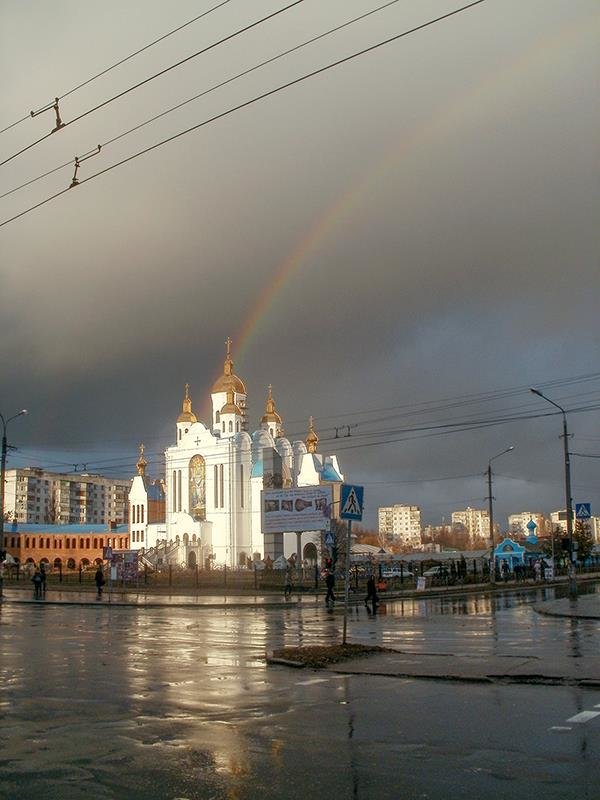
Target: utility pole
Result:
[491, 512]
[2, 482]
[568, 498]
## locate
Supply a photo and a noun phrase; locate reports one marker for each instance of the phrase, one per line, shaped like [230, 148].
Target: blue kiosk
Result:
[522, 554]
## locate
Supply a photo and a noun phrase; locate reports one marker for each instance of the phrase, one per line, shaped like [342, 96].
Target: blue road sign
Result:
[583, 510]
[351, 502]
[329, 540]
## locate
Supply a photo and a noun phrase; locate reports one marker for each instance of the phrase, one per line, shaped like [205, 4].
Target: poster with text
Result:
[302, 509]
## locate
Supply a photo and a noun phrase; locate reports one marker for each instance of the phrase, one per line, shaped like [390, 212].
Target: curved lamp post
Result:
[491, 511]
[568, 498]
[2, 480]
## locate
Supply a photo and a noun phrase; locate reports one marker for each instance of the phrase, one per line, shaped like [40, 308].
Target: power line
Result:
[123, 60]
[250, 102]
[153, 77]
[214, 88]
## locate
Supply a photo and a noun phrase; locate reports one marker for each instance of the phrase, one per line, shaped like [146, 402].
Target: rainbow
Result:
[443, 120]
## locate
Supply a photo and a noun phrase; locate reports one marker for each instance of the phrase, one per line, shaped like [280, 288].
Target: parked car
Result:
[439, 571]
[396, 572]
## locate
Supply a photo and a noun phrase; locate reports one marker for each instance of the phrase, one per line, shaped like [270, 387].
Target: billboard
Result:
[302, 509]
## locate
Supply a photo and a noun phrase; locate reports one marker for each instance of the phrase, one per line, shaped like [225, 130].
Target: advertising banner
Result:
[302, 509]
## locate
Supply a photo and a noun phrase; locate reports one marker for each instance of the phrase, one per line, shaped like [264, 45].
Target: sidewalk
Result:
[141, 600]
[476, 669]
[586, 606]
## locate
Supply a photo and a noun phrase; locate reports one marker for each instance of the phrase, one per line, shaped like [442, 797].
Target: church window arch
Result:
[216, 482]
[178, 490]
[174, 492]
[222, 485]
[230, 426]
[95, 543]
[223, 426]
[241, 485]
[142, 509]
[197, 487]
[237, 426]
[217, 417]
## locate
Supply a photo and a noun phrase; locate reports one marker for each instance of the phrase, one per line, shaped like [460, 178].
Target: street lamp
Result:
[2, 480]
[569, 499]
[491, 511]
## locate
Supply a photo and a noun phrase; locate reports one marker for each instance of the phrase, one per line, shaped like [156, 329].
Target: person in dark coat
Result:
[330, 583]
[99, 581]
[37, 584]
[371, 595]
[43, 574]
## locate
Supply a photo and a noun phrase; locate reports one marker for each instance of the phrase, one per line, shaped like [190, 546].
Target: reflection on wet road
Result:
[177, 703]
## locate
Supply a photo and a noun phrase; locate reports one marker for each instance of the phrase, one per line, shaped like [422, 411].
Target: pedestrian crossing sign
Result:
[583, 510]
[351, 502]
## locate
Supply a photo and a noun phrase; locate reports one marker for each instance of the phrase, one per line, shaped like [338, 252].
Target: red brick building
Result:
[67, 547]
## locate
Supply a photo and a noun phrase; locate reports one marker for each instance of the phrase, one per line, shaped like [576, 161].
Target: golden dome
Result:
[228, 380]
[141, 463]
[270, 414]
[230, 407]
[312, 439]
[187, 415]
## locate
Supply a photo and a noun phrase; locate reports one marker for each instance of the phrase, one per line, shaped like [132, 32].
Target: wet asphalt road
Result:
[176, 703]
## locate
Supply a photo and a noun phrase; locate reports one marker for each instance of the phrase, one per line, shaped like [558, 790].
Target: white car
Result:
[396, 572]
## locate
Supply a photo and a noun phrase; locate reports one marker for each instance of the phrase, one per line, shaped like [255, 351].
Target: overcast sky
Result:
[415, 226]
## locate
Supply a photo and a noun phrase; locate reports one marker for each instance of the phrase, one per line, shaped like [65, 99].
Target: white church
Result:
[214, 474]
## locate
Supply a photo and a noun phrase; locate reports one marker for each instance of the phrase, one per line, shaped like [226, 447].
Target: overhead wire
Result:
[250, 102]
[153, 77]
[213, 88]
[123, 60]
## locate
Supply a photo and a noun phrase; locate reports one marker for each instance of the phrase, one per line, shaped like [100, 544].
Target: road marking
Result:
[584, 716]
[319, 680]
[560, 728]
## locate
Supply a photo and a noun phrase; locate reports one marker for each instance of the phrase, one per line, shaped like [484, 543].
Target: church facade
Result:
[214, 474]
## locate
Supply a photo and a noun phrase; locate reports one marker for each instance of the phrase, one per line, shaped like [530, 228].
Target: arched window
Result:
[223, 426]
[216, 482]
[95, 543]
[12, 541]
[142, 536]
[218, 417]
[102, 542]
[33, 542]
[230, 426]
[178, 490]
[174, 492]
[241, 485]
[70, 563]
[27, 541]
[142, 510]
[87, 544]
[48, 543]
[222, 485]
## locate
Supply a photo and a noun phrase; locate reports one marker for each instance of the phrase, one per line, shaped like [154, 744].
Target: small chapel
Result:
[214, 474]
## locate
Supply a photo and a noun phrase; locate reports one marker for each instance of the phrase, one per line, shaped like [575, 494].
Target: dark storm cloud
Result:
[447, 187]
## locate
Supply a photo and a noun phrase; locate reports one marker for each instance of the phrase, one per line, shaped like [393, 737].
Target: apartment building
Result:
[475, 521]
[401, 522]
[517, 523]
[559, 520]
[37, 496]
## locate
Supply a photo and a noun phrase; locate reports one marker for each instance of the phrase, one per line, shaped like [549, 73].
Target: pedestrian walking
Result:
[99, 581]
[330, 583]
[287, 589]
[537, 569]
[505, 571]
[371, 595]
[43, 574]
[37, 584]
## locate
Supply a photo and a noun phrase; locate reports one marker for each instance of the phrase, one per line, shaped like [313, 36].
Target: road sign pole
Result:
[347, 580]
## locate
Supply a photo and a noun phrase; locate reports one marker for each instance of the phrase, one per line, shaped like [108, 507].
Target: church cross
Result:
[198, 441]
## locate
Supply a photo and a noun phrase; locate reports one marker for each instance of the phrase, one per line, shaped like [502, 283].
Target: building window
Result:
[142, 510]
[95, 543]
[216, 481]
[223, 426]
[179, 490]
[218, 417]
[221, 484]
[142, 536]
[174, 492]
[241, 485]
[230, 426]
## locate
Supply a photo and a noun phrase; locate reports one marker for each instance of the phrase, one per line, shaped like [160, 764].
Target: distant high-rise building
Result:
[401, 522]
[517, 523]
[37, 496]
[475, 521]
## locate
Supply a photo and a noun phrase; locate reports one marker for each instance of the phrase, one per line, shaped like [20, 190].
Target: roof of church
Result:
[329, 473]
[228, 380]
[187, 415]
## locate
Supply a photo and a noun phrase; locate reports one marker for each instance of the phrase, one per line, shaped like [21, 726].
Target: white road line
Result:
[319, 680]
[584, 716]
[560, 728]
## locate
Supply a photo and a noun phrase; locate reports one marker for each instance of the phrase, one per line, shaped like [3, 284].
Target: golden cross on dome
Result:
[187, 391]
[228, 343]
